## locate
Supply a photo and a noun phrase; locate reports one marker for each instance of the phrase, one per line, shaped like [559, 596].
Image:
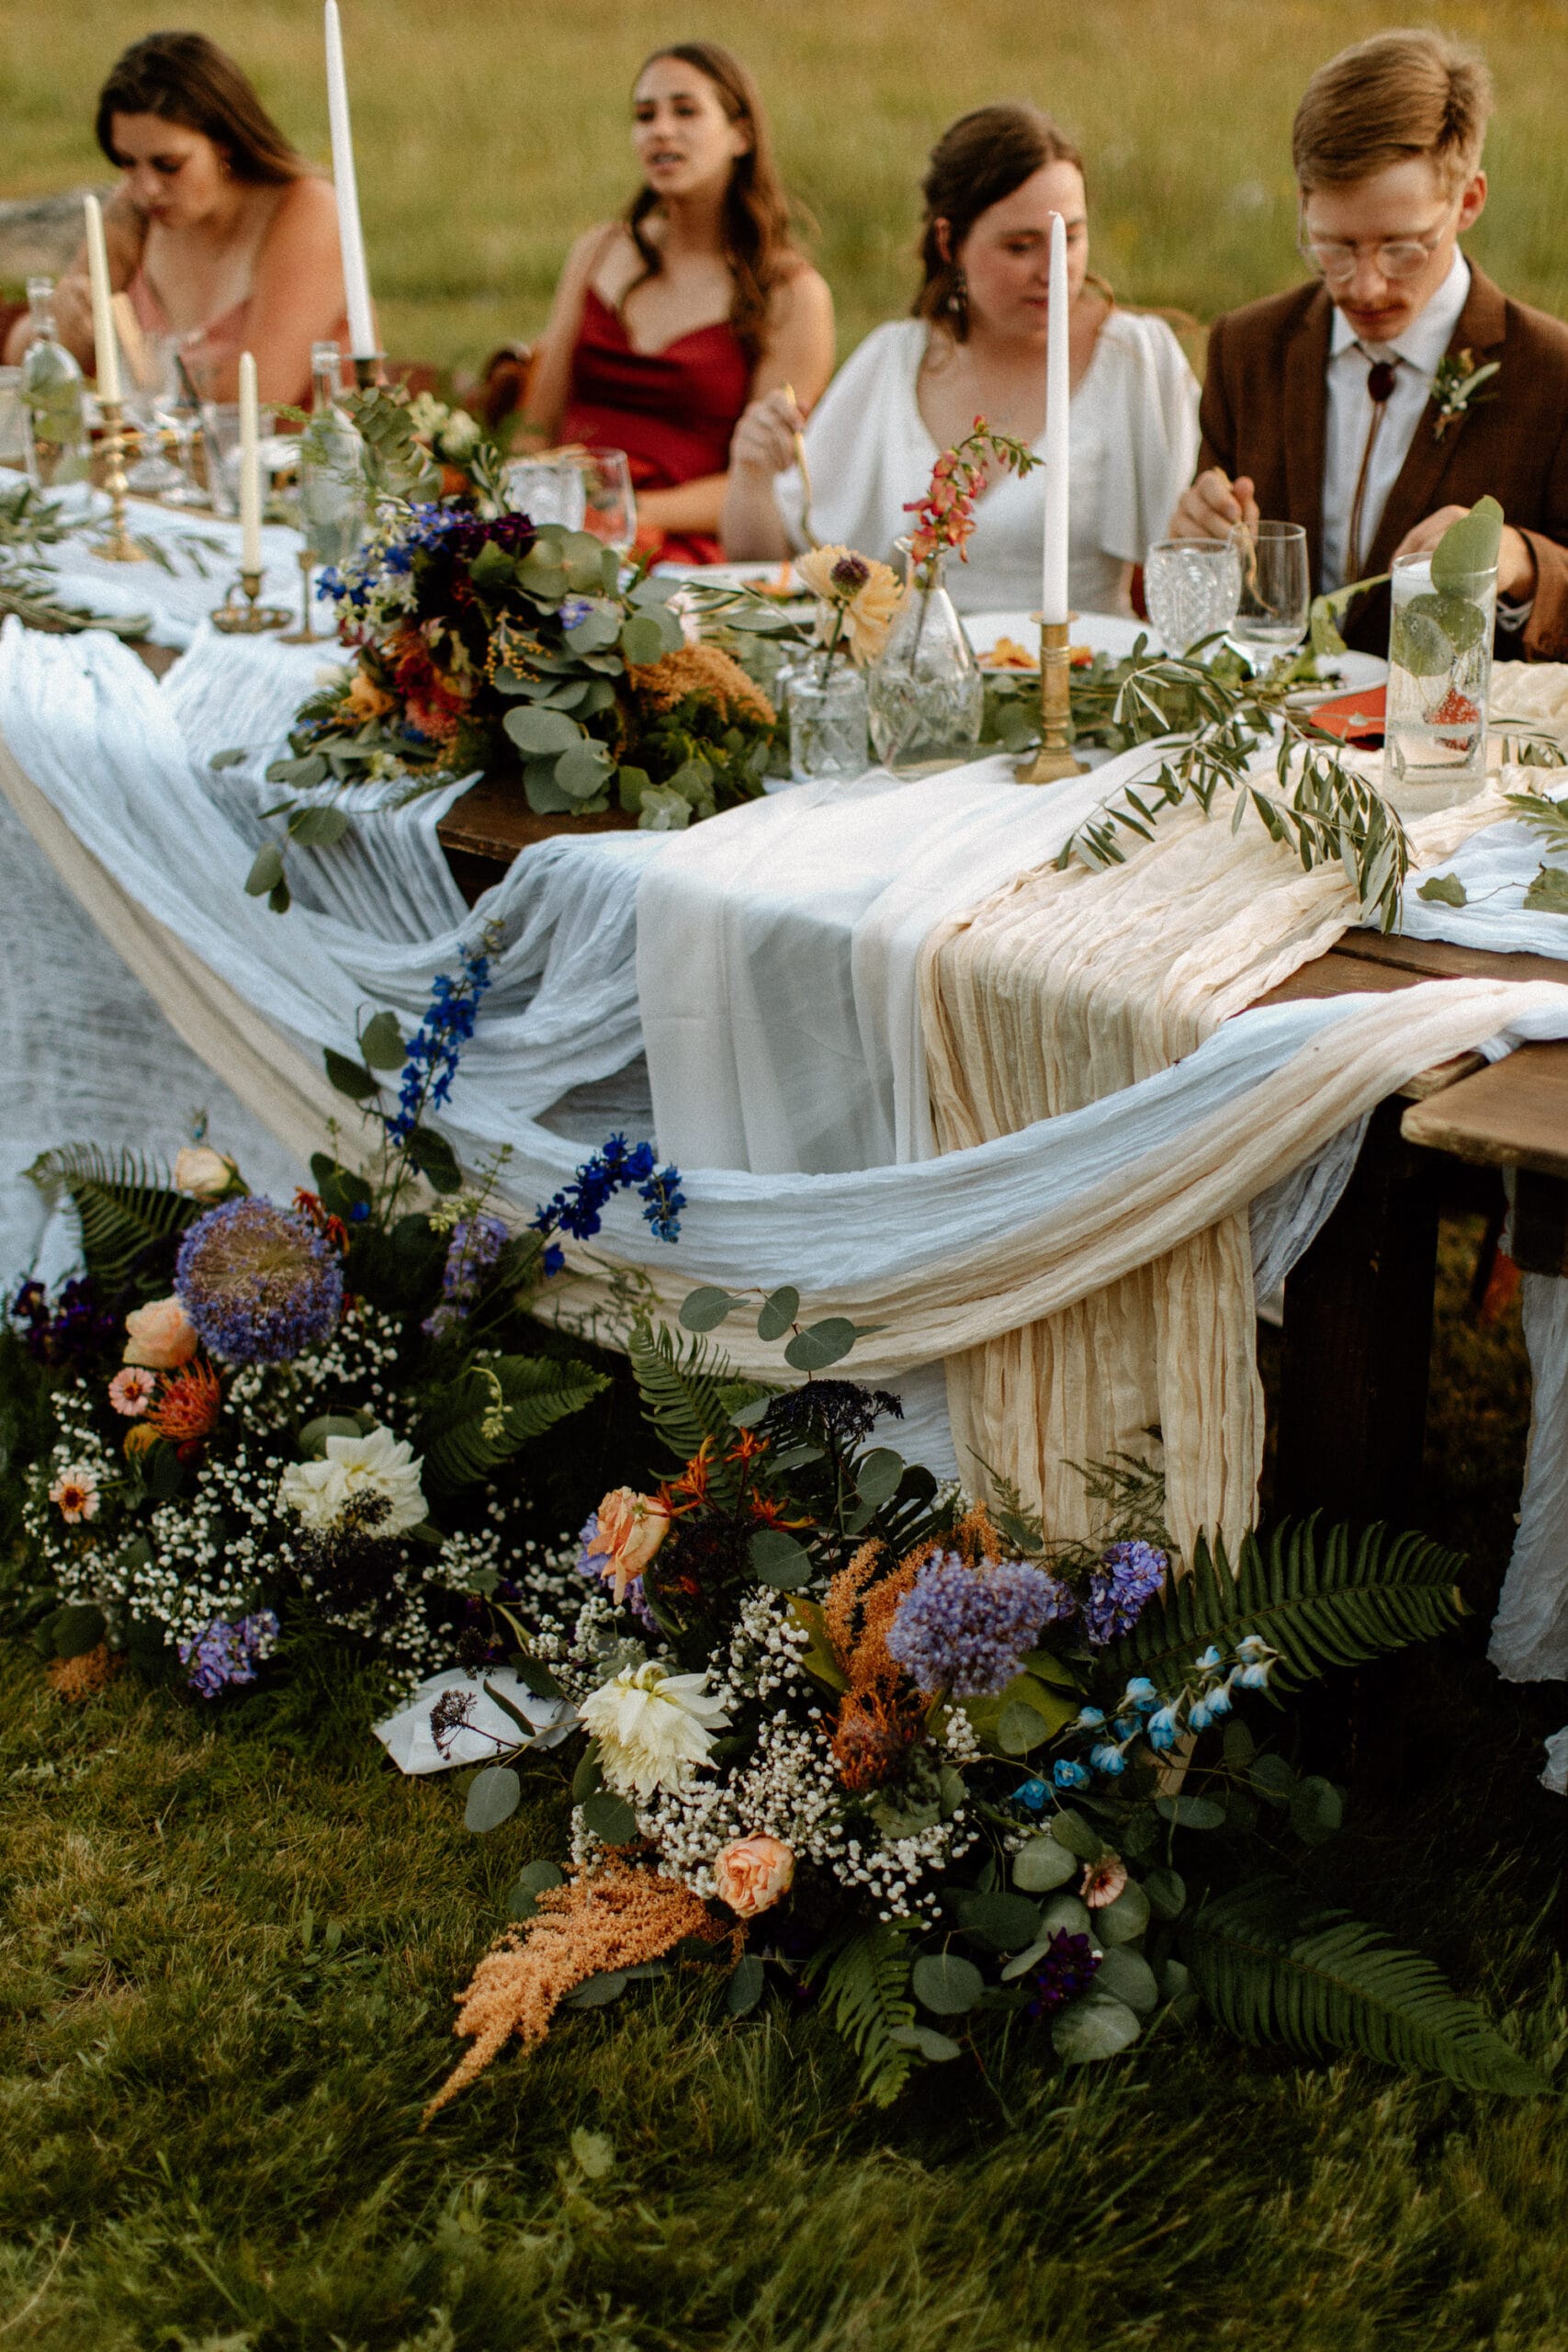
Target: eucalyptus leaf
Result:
[1166, 1893]
[1444, 890]
[348, 1077]
[541, 733]
[946, 1983]
[779, 1311]
[1128, 1976]
[494, 1795]
[938, 2047]
[266, 871]
[1095, 2027]
[318, 828]
[1066, 1914]
[778, 1559]
[597, 1991]
[704, 1309]
[821, 1344]
[1124, 1921]
[1041, 1863]
[1020, 1727]
[642, 640]
[382, 1042]
[583, 771]
[879, 1476]
[746, 1985]
[609, 1818]
[1469, 546]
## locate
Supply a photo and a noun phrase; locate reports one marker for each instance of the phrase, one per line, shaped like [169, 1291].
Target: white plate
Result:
[720, 575]
[1352, 671]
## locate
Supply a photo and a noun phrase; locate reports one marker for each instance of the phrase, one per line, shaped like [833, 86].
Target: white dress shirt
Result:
[1418, 352]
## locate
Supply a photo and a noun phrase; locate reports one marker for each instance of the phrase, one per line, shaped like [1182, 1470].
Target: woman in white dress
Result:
[975, 347]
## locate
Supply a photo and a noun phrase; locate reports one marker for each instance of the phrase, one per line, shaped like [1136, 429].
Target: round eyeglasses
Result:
[1335, 259]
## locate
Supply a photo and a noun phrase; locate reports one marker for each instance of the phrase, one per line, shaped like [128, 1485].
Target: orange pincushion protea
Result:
[187, 1409]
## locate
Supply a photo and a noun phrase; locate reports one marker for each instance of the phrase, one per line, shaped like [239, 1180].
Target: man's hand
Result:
[1515, 564]
[764, 438]
[1214, 505]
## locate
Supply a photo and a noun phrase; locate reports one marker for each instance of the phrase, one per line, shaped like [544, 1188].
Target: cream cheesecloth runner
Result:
[1064, 988]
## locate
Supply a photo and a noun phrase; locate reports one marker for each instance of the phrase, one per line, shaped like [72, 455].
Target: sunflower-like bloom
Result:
[867, 594]
[259, 1283]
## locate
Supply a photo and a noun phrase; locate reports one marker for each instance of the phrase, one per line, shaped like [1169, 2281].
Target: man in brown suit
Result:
[1324, 405]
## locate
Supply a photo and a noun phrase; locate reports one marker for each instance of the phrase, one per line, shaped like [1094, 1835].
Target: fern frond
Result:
[122, 1201]
[1271, 1967]
[688, 1388]
[1320, 1602]
[867, 1990]
[481, 1418]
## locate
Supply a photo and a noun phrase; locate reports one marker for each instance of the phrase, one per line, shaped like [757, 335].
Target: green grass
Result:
[491, 131]
[226, 1964]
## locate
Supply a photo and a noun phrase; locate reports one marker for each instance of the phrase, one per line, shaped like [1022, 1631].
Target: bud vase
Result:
[926, 696]
[827, 721]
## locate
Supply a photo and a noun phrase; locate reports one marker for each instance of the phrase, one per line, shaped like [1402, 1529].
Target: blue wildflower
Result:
[1164, 1728]
[1032, 1795]
[963, 1630]
[1108, 1760]
[1201, 1714]
[227, 1653]
[1089, 1719]
[573, 609]
[579, 1207]
[1068, 1775]
[1127, 1579]
[1211, 1661]
[1139, 1696]
[259, 1283]
[434, 1049]
[1252, 1677]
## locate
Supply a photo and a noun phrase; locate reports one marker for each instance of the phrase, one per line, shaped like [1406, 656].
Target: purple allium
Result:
[228, 1653]
[963, 1630]
[1066, 1968]
[259, 1283]
[476, 1244]
[1126, 1580]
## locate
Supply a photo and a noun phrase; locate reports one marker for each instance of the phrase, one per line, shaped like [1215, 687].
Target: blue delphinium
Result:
[579, 1207]
[228, 1652]
[963, 1630]
[1127, 1579]
[1066, 1968]
[476, 1243]
[436, 1046]
[259, 1283]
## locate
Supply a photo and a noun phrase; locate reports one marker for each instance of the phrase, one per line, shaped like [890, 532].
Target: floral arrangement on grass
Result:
[837, 1733]
[247, 1410]
[482, 645]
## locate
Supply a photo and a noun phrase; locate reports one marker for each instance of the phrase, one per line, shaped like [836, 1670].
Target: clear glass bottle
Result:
[331, 470]
[53, 396]
[926, 696]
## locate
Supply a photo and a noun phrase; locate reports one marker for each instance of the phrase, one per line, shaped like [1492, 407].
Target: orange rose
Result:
[162, 1336]
[753, 1873]
[366, 699]
[628, 1530]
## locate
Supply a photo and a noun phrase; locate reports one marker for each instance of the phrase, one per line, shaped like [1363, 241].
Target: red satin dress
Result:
[674, 412]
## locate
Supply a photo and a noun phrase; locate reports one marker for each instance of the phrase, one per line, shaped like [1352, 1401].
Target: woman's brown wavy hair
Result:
[186, 79]
[978, 159]
[759, 242]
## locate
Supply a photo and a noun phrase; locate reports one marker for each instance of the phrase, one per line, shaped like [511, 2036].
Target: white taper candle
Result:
[250, 467]
[106, 350]
[351, 236]
[1058, 394]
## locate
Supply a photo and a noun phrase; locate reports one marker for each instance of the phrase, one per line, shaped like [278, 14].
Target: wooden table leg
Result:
[1358, 1340]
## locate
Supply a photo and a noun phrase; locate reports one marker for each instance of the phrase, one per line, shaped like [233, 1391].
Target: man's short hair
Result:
[1384, 100]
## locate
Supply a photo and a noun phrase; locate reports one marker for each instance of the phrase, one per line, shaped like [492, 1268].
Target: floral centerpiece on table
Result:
[482, 645]
[249, 1409]
[846, 1734]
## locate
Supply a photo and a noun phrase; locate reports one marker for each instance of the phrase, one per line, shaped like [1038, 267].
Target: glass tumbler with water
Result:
[1440, 678]
[1276, 594]
[1192, 588]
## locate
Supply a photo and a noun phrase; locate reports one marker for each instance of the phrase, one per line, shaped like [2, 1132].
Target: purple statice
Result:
[477, 1242]
[963, 1630]
[228, 1652]
[436, 1046]
[579, 1207]
[77, 1326]
[1120, 1588]
[1067, 1967]
[259, 1283]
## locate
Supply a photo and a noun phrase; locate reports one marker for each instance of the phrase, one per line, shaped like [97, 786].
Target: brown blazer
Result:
[1264, 401]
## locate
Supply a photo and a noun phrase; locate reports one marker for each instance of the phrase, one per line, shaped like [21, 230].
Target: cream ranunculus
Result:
[207, 1175]
[629, 1529]
[379, 1463]
[653, 1728]
[753, 1873]
[162, 1336]
[864, 592]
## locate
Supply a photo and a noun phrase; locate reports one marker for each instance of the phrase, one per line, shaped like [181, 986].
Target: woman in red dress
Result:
[666, 324]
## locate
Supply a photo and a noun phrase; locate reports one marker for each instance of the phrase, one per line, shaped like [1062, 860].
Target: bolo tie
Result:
[1380, 384]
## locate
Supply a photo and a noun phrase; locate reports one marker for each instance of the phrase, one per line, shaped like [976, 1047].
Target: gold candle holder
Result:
[305, 634]
[249, 618]
[1053, 759]
[119, 547]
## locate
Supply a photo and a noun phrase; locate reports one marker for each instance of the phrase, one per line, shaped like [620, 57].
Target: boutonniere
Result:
[1455, 385]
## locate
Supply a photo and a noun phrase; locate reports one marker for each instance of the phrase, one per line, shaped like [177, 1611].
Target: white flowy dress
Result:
[1133, 434]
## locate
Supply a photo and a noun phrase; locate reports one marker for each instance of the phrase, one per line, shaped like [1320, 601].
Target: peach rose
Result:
[629, 1529]
[206, 1174]
[366, 699]
[753, 1873]
[162, 1336]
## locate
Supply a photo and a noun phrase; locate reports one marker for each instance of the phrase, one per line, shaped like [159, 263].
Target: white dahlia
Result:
[379, 1463]
[654, 1728]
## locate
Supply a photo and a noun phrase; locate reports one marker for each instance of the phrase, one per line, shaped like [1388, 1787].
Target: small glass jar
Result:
[926, 696]
[14, 435]
[1439, 680]
[827, 722]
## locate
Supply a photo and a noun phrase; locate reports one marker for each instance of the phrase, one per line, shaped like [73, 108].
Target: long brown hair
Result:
[978, 159]
[756, 226]
[187, 79]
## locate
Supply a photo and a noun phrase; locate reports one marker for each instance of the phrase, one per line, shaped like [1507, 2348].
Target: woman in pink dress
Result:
[220, 232]
[667, 321]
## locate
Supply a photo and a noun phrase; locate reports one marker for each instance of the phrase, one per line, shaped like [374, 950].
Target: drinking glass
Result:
[14, 435]
[220, 426]
[1276, 593]
[1192, 588]
[151, 374]
[828, 729]
[609, 501]
[1440, 678]
[547, 490]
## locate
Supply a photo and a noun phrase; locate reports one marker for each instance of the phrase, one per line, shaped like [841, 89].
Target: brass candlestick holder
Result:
[249, 618]
[1053, 759]
[305, 634]
[119, 547]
